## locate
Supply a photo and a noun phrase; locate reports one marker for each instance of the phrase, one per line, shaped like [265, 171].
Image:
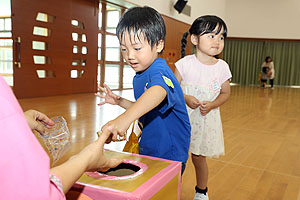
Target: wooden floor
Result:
[262, 140]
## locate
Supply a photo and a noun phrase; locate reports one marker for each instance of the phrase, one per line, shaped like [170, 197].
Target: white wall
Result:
[263, 18]
[279, 19]
[198, 8]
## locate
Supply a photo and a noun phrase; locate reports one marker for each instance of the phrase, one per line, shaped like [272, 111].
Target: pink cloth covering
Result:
[24, 166]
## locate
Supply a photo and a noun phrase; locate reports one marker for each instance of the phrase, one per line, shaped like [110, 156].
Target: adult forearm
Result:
[70, 171]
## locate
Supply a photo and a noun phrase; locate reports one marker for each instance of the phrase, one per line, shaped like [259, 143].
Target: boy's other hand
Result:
[108, 96]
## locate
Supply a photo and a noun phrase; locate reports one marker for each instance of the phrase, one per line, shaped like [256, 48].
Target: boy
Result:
[160, 104]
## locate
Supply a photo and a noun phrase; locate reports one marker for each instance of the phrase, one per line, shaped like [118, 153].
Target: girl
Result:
[205, 82]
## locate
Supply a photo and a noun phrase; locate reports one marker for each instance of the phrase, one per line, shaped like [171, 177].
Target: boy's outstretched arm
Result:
[112, 98]
[149, 100]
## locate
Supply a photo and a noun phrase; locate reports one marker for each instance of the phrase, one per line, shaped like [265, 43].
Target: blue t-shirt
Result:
[166, 128]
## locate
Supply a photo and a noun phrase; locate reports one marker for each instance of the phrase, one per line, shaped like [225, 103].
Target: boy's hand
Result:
[114, 128]
[109, 96]
[205, 107]
[192, 102]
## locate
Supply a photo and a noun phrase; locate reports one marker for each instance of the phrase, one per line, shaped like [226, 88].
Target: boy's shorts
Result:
[183, 165]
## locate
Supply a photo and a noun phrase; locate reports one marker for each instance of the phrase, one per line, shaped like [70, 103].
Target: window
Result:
[129, 73]
[99, 46]
[112, 76]
[112, 70]
[112, 52]
[6, 57]
[6, 42]
[113, 16]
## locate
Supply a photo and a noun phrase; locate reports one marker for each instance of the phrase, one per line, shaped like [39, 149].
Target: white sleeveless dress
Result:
[207, 133]
[204, 83]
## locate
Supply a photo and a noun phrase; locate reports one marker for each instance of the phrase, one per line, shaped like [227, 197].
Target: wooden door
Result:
[172, 52]
[55, 47]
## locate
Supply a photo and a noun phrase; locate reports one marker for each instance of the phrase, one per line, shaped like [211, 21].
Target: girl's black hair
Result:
[203, 25]
[267, 58]
[143, 20]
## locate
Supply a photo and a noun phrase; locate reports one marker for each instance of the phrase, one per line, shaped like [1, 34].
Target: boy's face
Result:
[138, 52]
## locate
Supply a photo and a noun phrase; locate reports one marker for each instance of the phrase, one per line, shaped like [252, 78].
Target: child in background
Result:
[160, 104]
[205, 83]
[268, 71]
[264, 75]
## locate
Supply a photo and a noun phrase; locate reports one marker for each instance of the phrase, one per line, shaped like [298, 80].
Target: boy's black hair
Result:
[142, 20]
[203, 25]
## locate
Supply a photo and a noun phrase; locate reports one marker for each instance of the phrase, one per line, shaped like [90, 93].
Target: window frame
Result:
[6, 74]
[102, 62]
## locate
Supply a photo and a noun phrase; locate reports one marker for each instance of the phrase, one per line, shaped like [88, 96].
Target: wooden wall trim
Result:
[262, 39]
[174, 31]
[171, 18]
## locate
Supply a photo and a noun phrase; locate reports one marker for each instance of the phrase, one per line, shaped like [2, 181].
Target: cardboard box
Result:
[156, 179]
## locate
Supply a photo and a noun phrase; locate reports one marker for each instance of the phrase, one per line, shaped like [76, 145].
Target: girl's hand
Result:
[205, 107]
[109, 96]
[192, 102]
[115, 127]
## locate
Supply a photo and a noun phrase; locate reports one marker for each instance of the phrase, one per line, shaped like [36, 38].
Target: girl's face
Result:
[138, 52]
[209, 44]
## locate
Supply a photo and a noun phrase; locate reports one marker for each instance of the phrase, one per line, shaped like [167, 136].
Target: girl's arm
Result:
[149, 100]
[224, 95]
[272, 65]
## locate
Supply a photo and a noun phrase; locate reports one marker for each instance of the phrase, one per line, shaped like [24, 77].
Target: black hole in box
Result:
[124, 169]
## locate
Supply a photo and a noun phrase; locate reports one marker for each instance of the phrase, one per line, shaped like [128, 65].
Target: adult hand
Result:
[37, 120]
[109, 96]
[96, 158]
[91, 158]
